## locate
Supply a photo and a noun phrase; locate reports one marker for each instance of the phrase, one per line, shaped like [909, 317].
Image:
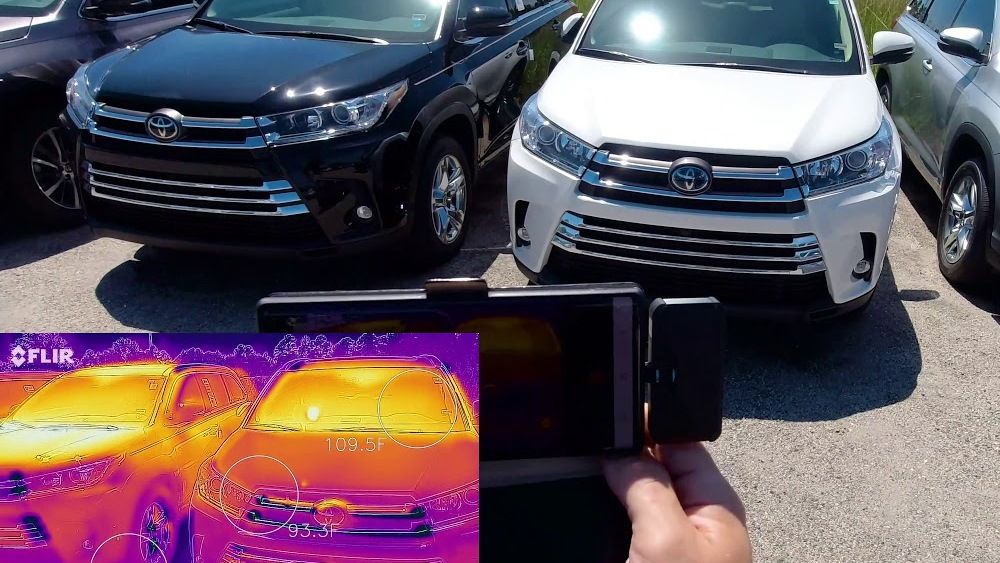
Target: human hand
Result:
[682, 508]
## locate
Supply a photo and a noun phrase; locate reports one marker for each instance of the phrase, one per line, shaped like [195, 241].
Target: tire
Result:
[885, 92]
[964, 225]
[37, 134]
[441, 221]
[159, 520]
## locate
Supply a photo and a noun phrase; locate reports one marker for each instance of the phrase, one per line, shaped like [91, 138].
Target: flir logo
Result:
[54, 356]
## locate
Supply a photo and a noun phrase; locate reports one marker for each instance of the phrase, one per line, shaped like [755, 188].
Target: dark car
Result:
[306, 127]
[42, 43]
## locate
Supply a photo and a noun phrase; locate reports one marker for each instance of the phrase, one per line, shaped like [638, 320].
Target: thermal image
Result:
[205, 448]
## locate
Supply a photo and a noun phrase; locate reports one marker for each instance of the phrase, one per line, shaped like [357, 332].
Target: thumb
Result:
[646, 490]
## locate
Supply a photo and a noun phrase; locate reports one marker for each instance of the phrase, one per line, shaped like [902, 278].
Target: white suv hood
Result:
[712, 110]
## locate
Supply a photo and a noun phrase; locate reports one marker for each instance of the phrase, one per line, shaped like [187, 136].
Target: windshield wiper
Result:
[325, 35]
[742, 66]
[612, 55]
[220, 25]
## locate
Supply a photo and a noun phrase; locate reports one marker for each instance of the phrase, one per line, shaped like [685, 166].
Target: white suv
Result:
[738, 149]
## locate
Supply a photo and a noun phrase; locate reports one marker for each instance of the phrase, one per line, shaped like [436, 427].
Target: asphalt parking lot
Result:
[870, 440]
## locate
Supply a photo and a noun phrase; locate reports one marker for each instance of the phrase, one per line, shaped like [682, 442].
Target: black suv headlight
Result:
[333, 119]
[80, 96]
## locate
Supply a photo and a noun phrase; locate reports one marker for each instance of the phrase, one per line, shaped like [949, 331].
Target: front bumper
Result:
[224, 190]
[47, 530]
[847, 226]
[214, 538]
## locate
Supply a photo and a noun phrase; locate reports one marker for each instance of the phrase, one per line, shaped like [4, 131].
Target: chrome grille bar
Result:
[198, 130]
[275, 198]
[728, 172]
[800, 256]
[593, 177]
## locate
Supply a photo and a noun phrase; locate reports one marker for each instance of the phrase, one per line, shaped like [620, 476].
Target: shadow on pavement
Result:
[825, 372]
[164, 291]
[20, 246]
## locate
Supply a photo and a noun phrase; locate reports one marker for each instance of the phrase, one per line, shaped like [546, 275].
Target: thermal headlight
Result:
[80, 96]
[333, 119]
[862, 163]
[551, 143]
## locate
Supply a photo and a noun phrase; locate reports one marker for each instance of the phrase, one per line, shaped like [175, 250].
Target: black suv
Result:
[42, 42]
[309, 127]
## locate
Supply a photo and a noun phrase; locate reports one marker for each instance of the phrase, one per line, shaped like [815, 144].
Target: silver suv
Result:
[945, 104]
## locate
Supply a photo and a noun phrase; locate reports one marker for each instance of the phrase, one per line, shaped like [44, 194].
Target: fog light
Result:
[862, 267]
[523, 234]
[364, 212]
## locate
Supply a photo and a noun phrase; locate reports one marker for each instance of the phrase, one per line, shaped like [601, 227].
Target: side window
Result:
[978, 14]
[942, 14]
[525, 6]
[161, 4]
[918, 8]
[190, 402]
[215, 391]
[236, 394]
[463, 8]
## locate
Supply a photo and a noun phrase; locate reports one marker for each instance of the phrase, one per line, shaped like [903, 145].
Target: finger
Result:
[697, 481]
[644, 487]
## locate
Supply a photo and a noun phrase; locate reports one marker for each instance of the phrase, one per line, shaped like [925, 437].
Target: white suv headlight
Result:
[862, 163]
[80, 96]
[333, 119]
[551, 143]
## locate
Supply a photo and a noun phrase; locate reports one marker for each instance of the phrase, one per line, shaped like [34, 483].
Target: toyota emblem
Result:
[330, 513]
[691, 176]
[164, 125]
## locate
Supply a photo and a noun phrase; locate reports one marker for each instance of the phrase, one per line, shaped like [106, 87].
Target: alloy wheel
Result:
[52, 170]
[886, 95]
[155, 532]
[448, 199]
[960, 219]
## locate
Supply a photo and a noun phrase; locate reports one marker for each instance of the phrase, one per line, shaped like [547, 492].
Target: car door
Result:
[496, 67]
[937, 78]
[142, 19]
[194, 414]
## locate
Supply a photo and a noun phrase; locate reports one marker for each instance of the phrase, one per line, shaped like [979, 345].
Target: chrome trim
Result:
[123, 114]
[273, 200]
[280, 194]
[281, 211]
[256, 142]
[807, 257]
[419, 533]
[805, 269]
[800, 242]
[593, 177]
[272, 186]
[800, 258]
[607, 158]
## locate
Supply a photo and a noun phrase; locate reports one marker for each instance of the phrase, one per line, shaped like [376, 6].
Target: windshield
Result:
[393, 21]
[397, 400]
[814, 36]
[26, 7]
[97, 399]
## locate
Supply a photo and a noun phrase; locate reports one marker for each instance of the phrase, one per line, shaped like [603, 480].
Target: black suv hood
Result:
[207, 73]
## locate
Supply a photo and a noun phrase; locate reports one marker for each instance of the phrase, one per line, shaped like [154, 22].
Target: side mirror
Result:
[571, 28]
[967, 42]
[487, 21]
[890, 47]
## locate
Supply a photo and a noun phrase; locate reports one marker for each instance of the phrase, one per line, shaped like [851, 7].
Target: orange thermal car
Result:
[15, 387]
[350, 460]
[98, 464]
